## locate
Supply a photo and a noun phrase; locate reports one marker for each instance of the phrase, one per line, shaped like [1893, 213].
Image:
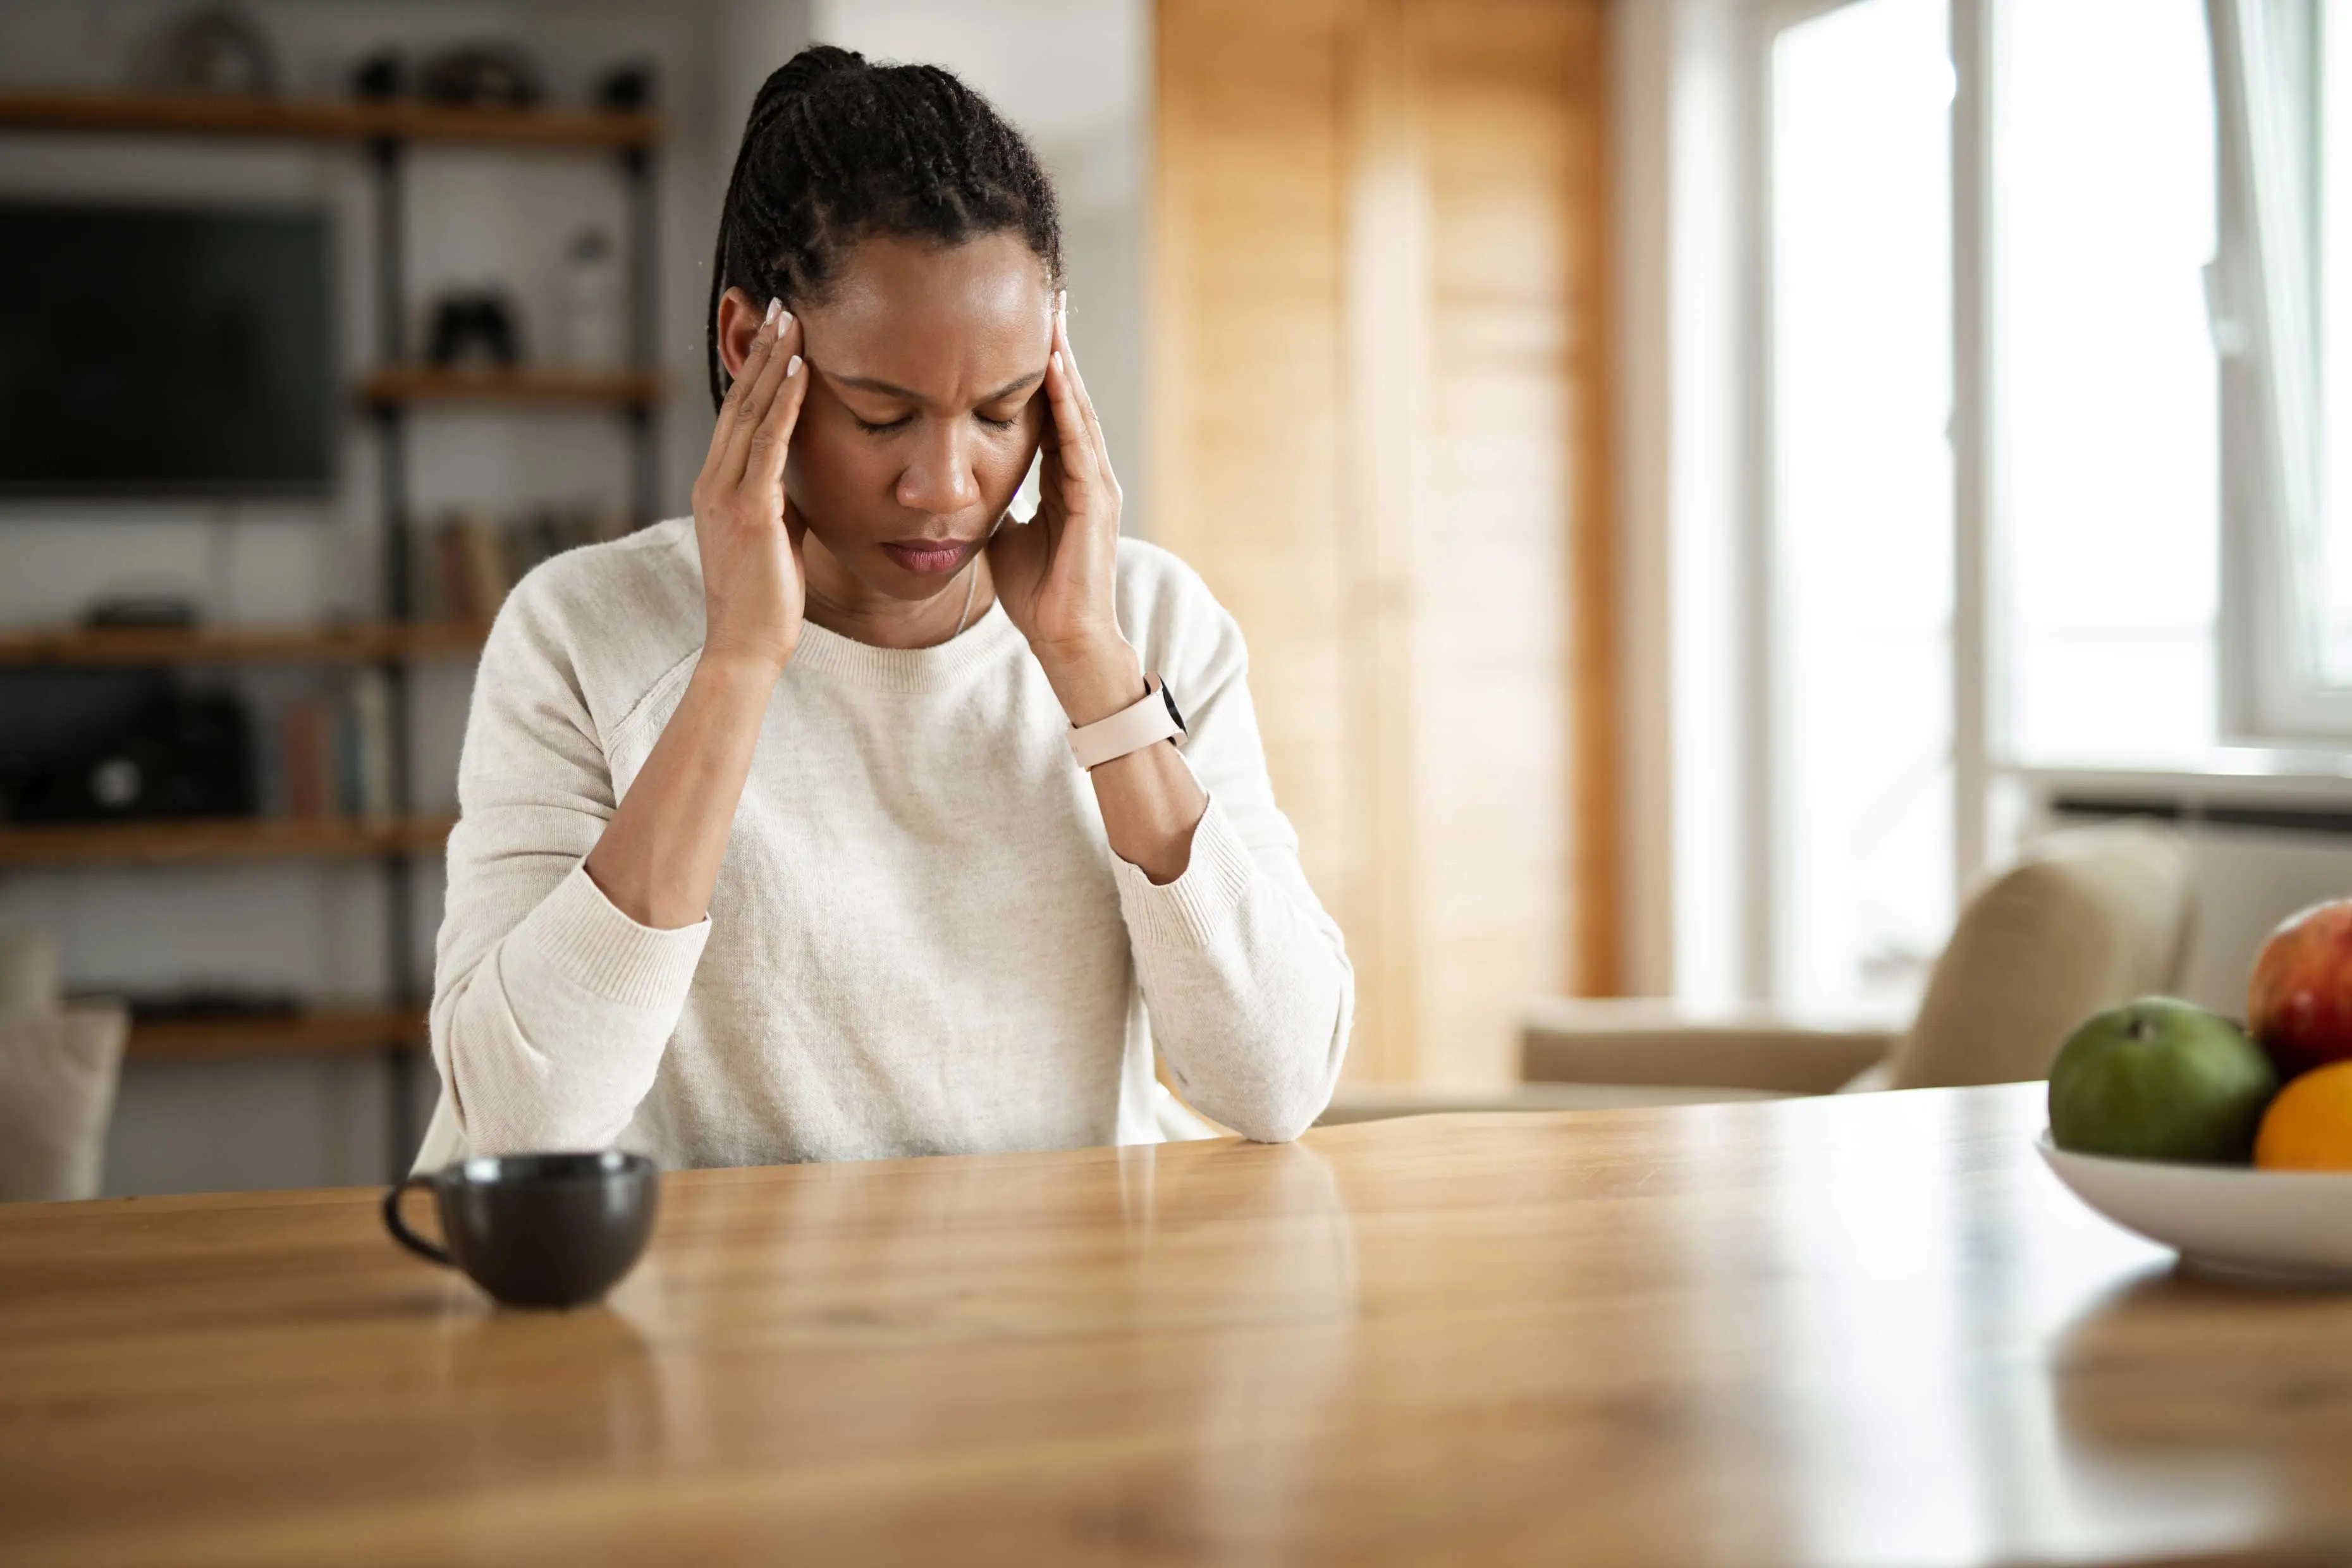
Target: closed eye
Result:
[884, 427]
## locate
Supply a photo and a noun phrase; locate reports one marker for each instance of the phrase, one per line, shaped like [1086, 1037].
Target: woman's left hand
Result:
[1055, 576]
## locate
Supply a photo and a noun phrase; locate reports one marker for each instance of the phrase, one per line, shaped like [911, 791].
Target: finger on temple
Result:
[773, 344]
[739, 384]
[1085, 403]
[739, 387]
[1069, 420]
[764, 458]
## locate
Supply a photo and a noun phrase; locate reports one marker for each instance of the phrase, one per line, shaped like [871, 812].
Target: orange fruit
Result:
[2309, 1126]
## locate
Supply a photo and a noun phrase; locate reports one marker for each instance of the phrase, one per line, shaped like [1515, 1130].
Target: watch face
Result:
[1174, 712]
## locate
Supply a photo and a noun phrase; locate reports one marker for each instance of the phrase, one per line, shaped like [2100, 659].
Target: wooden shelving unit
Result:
[167, 842]
[313, 1032]
[374, 642]
[414, 384]
[398, 387]
[332, 120]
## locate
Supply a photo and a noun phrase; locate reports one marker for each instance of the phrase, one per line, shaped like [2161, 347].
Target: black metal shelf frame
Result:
[388, 162]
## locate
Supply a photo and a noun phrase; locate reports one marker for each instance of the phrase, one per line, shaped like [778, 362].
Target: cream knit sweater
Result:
[921, 942]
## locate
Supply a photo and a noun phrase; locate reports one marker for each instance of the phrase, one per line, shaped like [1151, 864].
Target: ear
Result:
[738, 323]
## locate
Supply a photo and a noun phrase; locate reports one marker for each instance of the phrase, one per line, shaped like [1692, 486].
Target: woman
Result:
[779, 837]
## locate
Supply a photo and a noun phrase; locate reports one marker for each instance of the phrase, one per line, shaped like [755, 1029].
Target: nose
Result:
[940, 478]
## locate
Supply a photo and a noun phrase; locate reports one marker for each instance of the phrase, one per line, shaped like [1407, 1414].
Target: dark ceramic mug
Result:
[537, 1230]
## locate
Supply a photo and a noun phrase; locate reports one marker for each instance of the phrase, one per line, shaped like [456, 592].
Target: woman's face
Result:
[924, 405]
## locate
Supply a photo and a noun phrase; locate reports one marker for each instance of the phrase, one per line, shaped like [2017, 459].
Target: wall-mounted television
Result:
[153, 350]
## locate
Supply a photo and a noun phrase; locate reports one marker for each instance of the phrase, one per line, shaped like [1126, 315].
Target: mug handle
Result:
[407, 1238]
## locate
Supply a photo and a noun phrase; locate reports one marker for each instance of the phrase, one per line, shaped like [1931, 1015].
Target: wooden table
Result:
[1862, 1330]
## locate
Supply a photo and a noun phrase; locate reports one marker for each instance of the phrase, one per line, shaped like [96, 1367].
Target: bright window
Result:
[2105, 431]
[2168, 537]
[2335, 274]
[1862, 497]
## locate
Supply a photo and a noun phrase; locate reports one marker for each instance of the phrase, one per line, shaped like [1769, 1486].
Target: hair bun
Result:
[807, 68]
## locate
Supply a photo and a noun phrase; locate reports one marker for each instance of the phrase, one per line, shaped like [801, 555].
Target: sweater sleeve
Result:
[551, 1008]
[1244, 976]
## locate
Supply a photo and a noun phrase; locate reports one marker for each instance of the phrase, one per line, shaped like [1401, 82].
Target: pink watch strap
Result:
[1130, 729]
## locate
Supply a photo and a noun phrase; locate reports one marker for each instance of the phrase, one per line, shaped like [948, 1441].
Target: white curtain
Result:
[2262, 292]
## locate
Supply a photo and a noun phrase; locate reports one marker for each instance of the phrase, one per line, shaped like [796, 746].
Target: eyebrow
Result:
[887, 389]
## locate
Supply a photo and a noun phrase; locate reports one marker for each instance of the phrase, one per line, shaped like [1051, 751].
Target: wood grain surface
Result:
[1850, 1330]
[360, 643]
[312, 1031]
[1379, 389]
[552, 386]
[164, 839]
[223, 114]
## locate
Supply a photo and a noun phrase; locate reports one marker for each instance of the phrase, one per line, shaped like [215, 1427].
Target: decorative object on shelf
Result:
[218, 49]
[484, 74]
[627, 89]
[380, 77]
[474, 326]
[143, 612]
[79, 745]
[591, 330]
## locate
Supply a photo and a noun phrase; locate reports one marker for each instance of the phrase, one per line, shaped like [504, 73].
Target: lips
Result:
[929, 557]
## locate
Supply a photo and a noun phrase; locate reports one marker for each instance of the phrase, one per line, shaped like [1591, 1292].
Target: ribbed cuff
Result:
[1191, 911]
[596, 947]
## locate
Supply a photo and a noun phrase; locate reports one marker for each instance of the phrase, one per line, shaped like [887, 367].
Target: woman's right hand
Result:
[750, 540]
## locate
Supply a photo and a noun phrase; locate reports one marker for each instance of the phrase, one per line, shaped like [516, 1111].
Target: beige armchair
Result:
[58, 1069]
[2090, 918]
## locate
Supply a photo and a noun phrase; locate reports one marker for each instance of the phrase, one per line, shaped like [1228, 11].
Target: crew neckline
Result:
[830, 654]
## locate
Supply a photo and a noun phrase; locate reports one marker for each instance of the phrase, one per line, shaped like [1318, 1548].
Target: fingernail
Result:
[775, 308]
[1057, 361]
[792, 367]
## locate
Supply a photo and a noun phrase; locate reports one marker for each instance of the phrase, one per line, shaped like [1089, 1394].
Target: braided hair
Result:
[836, 149]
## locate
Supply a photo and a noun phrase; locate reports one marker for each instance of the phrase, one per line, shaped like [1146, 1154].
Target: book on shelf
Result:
[467, 561]
[305, 745]
[367, 745]
[334, 750]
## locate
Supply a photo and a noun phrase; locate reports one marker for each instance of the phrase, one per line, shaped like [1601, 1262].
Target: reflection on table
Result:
[1860, 1329]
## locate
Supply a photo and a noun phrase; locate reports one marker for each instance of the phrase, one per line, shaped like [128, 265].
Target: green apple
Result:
[2159, 1079]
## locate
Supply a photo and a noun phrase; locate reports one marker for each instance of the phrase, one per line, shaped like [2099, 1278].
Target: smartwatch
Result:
[1154, 718]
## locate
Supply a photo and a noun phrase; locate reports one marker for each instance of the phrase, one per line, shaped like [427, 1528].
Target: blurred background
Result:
[1707, 483]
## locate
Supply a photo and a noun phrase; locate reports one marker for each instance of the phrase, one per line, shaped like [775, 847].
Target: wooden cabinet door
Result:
[1378, 382]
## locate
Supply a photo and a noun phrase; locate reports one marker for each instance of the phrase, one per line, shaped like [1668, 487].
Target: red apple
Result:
[2299, 1003]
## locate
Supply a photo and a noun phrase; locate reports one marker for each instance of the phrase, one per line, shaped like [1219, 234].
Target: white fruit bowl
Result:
[2286, 1224]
